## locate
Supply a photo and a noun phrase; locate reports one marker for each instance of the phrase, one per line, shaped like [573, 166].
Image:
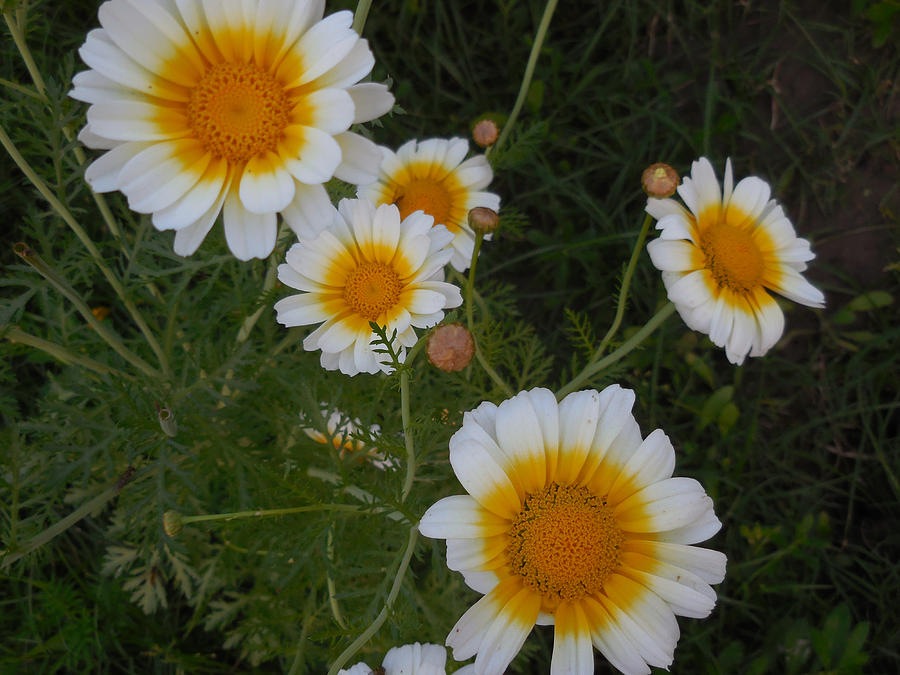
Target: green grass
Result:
[799, 449]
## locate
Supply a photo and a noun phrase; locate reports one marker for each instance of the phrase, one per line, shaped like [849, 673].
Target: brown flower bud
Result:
[483, 219]
[659, 180]
[450, 347]
[485, 132]
[172, 523]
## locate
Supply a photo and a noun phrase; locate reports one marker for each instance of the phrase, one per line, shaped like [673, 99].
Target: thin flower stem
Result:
[60, 283]
[13, 334]
[470, 283]
[265, 513]
[549, 8]
[360, 15]
[470, 320]
[332, 593]
[268, 285]
[407, 436]
[623, 291]
[69, 219]
[635, 340]
[17, 30]
[355, 646]
[308, 615]
[366, 497]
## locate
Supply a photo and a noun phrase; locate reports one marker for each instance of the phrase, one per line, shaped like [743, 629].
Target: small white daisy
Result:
[432, 176]
[414, 659]
[242, 108]
[340, 433]
[367, 266]
[722, 255]
[573, 520]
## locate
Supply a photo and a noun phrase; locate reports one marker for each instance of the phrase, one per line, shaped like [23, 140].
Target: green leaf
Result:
[727, 418]
[714, 405]
[869, 301]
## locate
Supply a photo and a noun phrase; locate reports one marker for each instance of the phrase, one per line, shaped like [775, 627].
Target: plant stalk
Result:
[635, 340]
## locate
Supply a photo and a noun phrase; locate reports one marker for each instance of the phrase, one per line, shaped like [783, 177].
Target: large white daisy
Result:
[721, 255]
[234, 106]
[573, 520]
[432, 176]
[368, 265]
[414, 659]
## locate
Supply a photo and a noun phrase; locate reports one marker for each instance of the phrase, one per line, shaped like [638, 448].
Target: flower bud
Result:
[483, 219]
[172, 523]
[450, 347]
[659, 180]
[167, 422]
[485, 132]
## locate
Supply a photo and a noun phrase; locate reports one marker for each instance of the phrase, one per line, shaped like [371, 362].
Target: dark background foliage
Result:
[799, 450]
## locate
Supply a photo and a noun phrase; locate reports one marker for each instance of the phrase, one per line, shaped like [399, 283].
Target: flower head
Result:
[414, 659]
[368, 266]
[721, 255]
[209, 107]
[431, 176]
[341, 434]
[573, 520]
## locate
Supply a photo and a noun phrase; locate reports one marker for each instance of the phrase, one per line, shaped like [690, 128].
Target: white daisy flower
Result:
[414, 659]
[367, 266]
[573, 520]
[341, 434]
[432, 176]
[721, 255]
[229, 106]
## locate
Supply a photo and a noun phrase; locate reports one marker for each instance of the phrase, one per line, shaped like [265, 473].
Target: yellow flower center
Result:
[372, 289]
[238, 110]
[564, 543]
[733, 257]
[425, 194]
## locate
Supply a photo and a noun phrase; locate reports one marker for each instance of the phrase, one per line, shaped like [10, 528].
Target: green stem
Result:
[8, 557]
[470, 283]
[260, 513]
[360, 15]
[470, 320]
[268, 285]
[529, 73]
[59, 282]
[69, 219]
[366, 498]
[623, 291]
[355, 646]
[635, 340]
[16, 29]
[332, 593]
[59, 352]
[308, 615]
[407, 436]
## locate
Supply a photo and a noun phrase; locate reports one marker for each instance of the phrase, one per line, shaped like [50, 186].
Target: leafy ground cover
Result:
[799, 449]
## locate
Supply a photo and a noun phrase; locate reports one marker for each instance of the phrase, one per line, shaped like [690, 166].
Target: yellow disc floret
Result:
[428, 195]
[732, 256]
[238, 111]
[372, 289]
[564, 543]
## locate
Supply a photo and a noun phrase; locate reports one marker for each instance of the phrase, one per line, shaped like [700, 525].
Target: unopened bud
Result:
[483, 219]
[172, 523]
[485, 132]
[167, 422]
[450, 347]
[659, 180]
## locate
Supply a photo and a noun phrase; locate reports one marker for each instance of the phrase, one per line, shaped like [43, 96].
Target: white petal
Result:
[266, 186]
[319, 157]
[507, 632]
[323, 46]
[665, 505]
[660, 208]
[197, 201]
[189, 238]
[460, 517]
[573, 653]
[653, 461]
[672, 256]
[750, 198]
[483, 478]
[331, 110]
[371, 100]
[793, 286]
[691, 290]
[579, 413]
[249, 235]
[360, 159]
[310, 212]
[103, 173]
